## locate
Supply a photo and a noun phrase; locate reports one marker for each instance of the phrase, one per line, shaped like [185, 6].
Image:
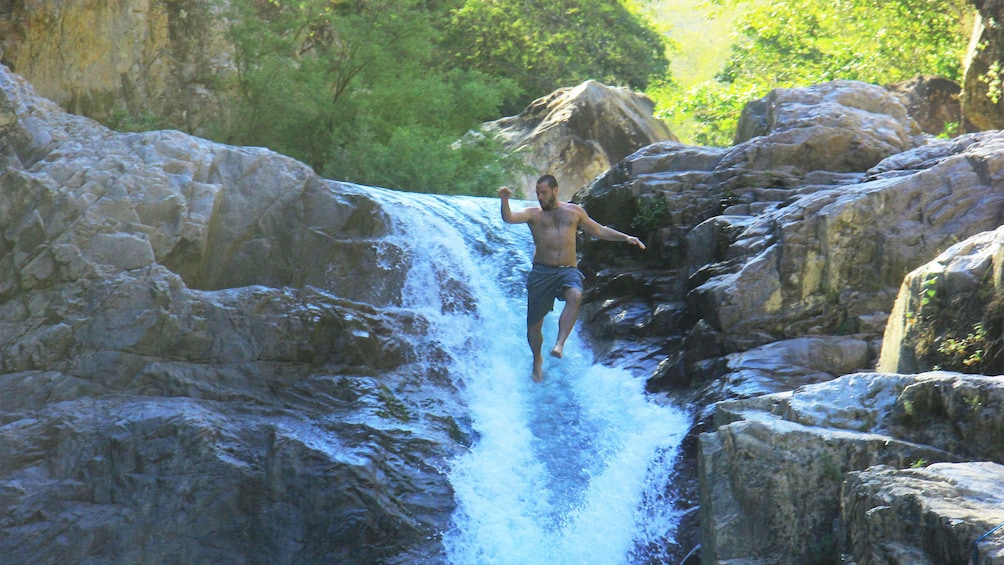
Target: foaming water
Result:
[572, 470]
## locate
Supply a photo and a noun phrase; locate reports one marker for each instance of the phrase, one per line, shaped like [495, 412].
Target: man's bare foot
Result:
[538, 370]
[558, 351]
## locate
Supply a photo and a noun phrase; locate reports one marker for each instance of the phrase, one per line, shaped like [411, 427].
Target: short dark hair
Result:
[549, 180]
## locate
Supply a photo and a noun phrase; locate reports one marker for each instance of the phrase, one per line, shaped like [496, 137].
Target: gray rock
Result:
[774, 466]
[578, 133]
[203, 357]
[932, 514]
[954, 299]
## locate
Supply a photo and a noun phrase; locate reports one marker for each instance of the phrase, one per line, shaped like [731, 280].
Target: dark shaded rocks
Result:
[933, 102]
[204, 357]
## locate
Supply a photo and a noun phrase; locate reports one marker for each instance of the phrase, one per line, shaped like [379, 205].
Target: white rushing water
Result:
[573, 470]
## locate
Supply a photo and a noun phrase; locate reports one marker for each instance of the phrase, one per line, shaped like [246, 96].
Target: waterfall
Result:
[573, 470]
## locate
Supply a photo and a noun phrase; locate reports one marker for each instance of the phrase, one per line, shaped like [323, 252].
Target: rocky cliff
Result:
[138, 57]
[203, 356]
[775, 265]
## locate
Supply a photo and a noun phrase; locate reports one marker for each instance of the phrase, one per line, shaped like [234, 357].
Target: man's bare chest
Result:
[556, 221]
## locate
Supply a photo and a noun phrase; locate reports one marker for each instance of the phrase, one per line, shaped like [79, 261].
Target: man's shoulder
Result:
[534, 212]
[573, 208]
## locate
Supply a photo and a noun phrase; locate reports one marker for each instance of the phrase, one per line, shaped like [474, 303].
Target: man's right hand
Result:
[504, 192]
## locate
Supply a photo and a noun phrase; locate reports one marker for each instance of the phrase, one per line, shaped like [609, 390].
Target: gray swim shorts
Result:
[544, 284]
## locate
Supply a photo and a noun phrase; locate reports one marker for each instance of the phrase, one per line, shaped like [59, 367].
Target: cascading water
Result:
[569, 471]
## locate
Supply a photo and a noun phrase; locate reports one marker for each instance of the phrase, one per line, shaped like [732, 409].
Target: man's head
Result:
[547, 192]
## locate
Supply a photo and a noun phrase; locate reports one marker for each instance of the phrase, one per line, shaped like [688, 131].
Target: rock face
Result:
[983, 82]
[775, 264]
[95, 57]
[949, 312]
[935, 514]
[841, 468]
[200, 359]
[806, 229]
[578, 133]
[934, 102]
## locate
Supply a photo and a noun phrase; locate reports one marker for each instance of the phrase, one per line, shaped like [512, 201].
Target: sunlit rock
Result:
[949, 312]
[96, 58]
[932, 514]
[840, 126]
[981, 85]
[773, 468]
[578, 133]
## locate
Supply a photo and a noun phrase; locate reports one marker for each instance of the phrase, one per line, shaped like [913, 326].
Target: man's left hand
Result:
[635, 241]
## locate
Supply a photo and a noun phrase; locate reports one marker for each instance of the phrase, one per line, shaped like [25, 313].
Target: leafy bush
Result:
[785, 43]
[354, 90]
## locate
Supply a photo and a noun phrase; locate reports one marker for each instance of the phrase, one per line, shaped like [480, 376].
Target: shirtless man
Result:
[555, 271]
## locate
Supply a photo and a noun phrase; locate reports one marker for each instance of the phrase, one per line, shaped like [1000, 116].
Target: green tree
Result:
[543, 45]
[784, 43]
[344, 85]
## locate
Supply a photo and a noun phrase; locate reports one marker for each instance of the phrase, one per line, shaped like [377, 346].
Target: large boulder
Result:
[204, 358]
[841, 126]
[830, 257]
[764, 242]
[941, 513]
[773, 469]
[776, 263]
[949, 311]
[578, 133]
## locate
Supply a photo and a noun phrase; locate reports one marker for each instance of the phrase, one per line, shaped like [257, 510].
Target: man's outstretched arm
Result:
[599, 231]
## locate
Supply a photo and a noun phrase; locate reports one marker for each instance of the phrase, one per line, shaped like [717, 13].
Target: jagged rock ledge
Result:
[202, 359]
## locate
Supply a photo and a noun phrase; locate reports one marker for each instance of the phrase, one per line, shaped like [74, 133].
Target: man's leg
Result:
[573, 297]
[536, 339]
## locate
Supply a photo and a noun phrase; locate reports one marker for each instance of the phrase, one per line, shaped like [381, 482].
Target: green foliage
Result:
[964, 354]
[543, 46]
[784, 43]
[378, 92]
[123, 120]
[650, 215]
[879, 41]
[353, 89]
[706, 113]
[964, 332]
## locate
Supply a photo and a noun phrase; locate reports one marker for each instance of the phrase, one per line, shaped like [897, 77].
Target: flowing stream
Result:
[573, 470]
